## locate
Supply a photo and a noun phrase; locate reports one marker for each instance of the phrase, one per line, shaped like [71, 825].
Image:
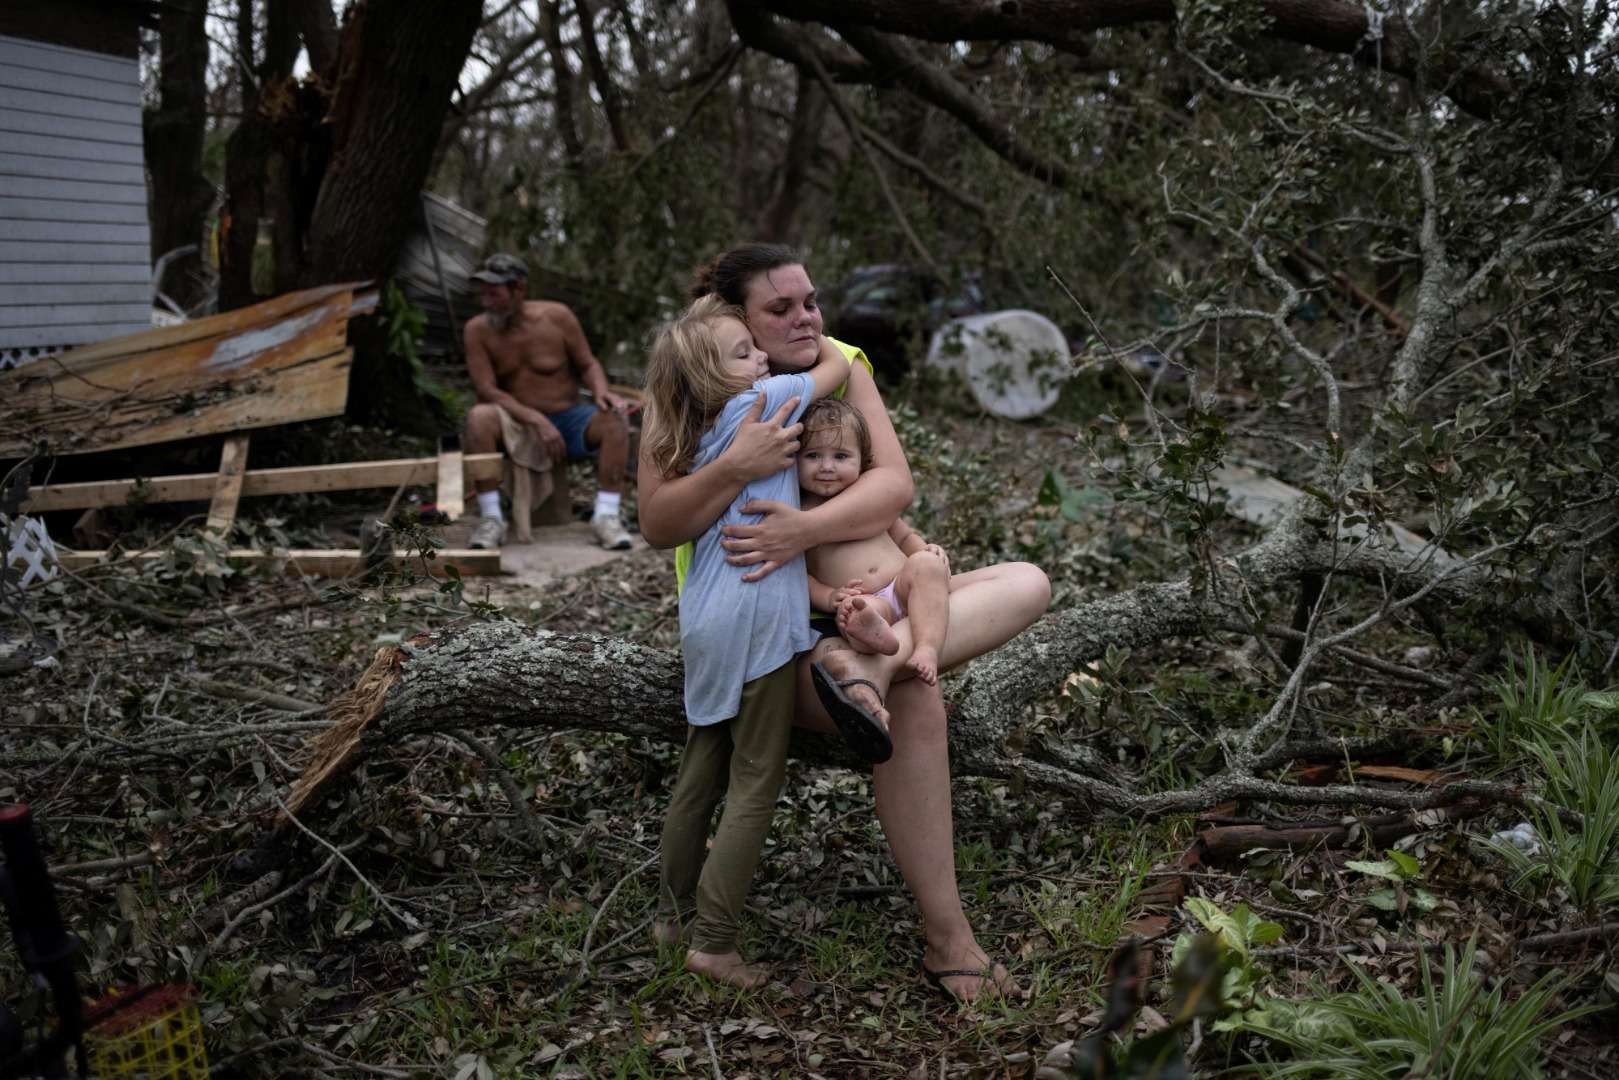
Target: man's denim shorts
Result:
[572, 423]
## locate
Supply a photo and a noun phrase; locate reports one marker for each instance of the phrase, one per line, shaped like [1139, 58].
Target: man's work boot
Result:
[489, 533]
[610, 532]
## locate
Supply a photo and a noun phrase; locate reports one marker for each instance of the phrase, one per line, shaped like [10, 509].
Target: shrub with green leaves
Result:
[1458, 1026]
[1582, 783]
[1534, 699]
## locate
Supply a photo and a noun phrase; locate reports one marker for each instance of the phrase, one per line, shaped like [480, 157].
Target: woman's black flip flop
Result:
[863, 732]
[936, 979]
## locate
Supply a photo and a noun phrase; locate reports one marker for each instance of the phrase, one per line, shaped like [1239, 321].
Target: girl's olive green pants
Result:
[742, 760]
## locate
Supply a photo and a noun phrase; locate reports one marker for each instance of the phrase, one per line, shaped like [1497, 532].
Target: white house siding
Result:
[75, 264]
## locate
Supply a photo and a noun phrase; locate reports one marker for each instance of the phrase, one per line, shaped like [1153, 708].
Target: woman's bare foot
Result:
[668, 931]
[864, 628]
[728, 968]
[925, 662]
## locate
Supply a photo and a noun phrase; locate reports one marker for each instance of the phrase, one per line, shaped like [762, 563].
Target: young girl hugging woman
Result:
[738, 640]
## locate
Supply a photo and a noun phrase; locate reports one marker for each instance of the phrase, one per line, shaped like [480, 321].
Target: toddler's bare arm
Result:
[907, 539]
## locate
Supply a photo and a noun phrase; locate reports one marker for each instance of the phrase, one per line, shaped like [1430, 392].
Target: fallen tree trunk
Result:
[499, 673]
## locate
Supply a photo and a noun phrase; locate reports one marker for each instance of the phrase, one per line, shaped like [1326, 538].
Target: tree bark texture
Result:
[398, 62]
[339, 165]
[803, 145]
[500, 673]
[602, 77]
[174, 133]
[567, 123]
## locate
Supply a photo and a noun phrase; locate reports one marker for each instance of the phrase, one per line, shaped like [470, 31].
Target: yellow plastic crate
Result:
[157, 1036]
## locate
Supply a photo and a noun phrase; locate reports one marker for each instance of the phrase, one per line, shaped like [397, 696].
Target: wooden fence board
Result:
[228, 486]
[323, 562]
[288, 480]
[273, 363]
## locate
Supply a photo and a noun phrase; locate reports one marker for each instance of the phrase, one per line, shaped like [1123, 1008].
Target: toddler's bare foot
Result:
[925, 662]
[864, 629]
[727, 968]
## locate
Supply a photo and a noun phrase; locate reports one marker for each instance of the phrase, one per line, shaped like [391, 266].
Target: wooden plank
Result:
[58, 168]
[100, 293]
[451, 495]
[277, 362]
[294, 479]
[71, 127]
[38, 56]
[137, 313]
[82, 150]
[70, 231]
[215, 327]
[20, 99]
[303, 389]
[46, 209]
[48, 273]
[228, 489]
[321, 562]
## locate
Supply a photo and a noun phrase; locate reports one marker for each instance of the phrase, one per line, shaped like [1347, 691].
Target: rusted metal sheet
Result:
[274, 363]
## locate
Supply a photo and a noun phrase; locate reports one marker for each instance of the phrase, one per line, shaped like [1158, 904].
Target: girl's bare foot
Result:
[727, 968]
[925, 662]
[864, 628]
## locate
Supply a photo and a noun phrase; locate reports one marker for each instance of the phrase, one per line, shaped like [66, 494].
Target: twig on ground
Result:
[1543, 942]
[282, 702]
[713, 1054]
[584, 960]
[508, 784]
[100, 866]
[253, 909]
[405, 918]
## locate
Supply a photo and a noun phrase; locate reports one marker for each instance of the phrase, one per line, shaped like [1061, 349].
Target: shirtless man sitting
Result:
[530, 358]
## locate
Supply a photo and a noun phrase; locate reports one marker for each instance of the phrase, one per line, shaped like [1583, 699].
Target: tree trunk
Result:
[398, 62]
[567, 123]
[318, 29]
[175, 130]
[602, 77]
[339, 166]
[803, 145]
[501, 673]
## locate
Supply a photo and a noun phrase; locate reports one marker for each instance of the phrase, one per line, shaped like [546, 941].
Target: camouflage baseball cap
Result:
[502, 269]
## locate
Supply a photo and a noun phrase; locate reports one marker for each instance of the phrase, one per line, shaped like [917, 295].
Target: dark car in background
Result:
[892, 309]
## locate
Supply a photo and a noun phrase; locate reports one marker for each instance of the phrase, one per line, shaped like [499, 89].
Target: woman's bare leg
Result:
[987, 607]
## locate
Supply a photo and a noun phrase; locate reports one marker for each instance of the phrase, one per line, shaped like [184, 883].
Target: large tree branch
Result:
[902, 63]
[1329, 25]
[500, 673]
[760, 30]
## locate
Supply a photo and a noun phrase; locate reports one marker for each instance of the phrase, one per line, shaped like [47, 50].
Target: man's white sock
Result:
[607, 502]
[489, 505]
